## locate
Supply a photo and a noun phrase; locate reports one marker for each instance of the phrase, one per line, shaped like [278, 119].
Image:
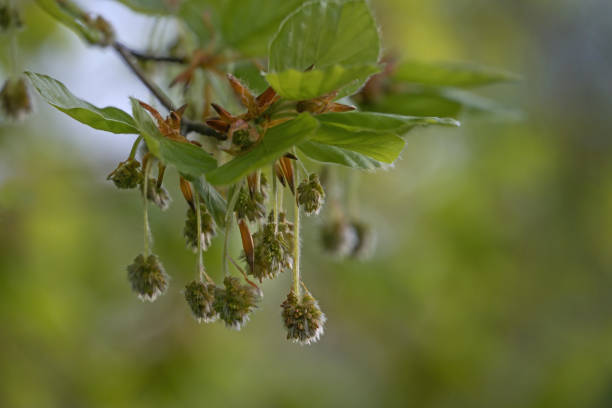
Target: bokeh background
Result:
[490, 285]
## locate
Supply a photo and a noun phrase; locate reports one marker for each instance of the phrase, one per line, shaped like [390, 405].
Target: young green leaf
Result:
[328, 154]
[244, 25]
[323, 35]
[364, 140]
[416, 102]
[432, 101]
[380, 122]
[190, 160]
[250, 75]
[299, 85]
[450, 74]
[277, 141]
[381, 146]
[57, 95]
[248, 25]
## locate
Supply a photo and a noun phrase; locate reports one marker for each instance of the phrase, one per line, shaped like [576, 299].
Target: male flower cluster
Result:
[157, 194]
[235, 302]
[251, 201]
[311, 195]
[147, 277]
[303, 319]
[272, 251]
[201, 296]
[191, 228]
[127, 174]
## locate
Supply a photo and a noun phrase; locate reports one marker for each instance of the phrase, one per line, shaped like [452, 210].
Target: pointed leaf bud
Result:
[286, 168]
[247, 243]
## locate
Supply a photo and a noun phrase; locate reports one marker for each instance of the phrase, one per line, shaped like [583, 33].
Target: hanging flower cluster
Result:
[264, 121]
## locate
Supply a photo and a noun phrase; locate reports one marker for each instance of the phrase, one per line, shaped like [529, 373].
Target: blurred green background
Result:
[490, 286]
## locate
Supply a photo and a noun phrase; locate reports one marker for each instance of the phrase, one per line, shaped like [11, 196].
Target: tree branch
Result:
[157, 58]
[125, 54]
[201, 128]
[187, 126]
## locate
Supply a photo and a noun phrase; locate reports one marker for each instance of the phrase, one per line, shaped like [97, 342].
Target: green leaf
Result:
[299, 85]
[364, 140]
[71, 15]
[381, 146]
[244, 25]
[381, 122]
[190, 160]
[336, 155]
[324, 34]
[276, 142]
[151, 6]
[476, 104]
[452, 74]
[250, 75]
[214, 201]
[248, 25]
[418, 103]
[449, 102]
[57, 95]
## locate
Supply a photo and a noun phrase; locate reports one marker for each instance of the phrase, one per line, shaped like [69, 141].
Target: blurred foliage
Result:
[490, 286]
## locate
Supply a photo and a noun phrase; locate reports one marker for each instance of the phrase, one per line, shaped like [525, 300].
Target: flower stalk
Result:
[296, 241]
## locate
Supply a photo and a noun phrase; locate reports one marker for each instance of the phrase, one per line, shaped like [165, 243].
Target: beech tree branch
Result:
[128, 56]
[156, 58]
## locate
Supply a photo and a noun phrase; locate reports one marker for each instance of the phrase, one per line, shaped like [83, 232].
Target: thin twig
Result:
[125, 54]
[187, 125]
[157, 58]
[201, 128]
